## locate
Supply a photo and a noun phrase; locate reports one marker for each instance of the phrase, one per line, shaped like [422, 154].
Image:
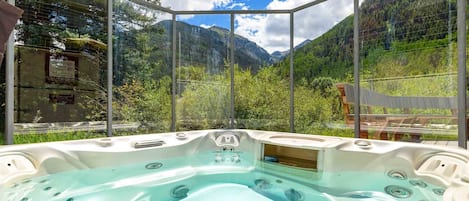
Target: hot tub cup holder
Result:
[105, 142]
[181, 136]
[363, 144]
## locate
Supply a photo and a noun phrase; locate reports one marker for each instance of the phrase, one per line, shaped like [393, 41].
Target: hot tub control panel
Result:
[227, 157]
[228, 141]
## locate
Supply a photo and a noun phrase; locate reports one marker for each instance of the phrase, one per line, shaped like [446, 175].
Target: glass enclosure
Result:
[176, 67]
[60, 70]
[409, 57]
[202, 75]
[142, 69]
[261, 85]
[320, 64]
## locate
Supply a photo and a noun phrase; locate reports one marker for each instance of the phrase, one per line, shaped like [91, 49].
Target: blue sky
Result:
[224, 20]
[269, 31]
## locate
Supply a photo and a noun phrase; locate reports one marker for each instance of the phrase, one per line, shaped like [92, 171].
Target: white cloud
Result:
[272, 31]
[205, 26]
[264, 30]
[241, 6]
[194, 4]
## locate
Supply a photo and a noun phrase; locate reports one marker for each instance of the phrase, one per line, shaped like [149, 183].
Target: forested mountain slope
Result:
[210, 47]
[411, 36]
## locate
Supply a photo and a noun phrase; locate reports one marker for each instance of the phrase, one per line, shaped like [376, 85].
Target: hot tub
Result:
[232, 165]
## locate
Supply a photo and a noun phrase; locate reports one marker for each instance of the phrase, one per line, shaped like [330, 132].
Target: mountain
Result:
[210, 47]
[280, 55]
[409, 33]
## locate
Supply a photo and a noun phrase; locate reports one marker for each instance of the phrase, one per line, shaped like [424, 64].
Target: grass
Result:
[436, 137]
[52, 137]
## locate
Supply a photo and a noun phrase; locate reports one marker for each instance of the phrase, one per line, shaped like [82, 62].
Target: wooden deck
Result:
[388, 117]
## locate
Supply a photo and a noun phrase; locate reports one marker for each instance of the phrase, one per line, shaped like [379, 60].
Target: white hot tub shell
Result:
[442, 166]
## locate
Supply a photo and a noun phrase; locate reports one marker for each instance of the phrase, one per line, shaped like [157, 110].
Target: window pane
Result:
[262, 92]
[203, 74]
[323, 58]
[142, 69]
[60, 70]
[408, 70]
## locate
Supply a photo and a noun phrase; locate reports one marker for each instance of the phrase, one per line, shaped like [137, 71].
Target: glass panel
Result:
[408, 72]
[60, 70]
[262, 92]
[203, 73]
[323, 58]
[142, 69]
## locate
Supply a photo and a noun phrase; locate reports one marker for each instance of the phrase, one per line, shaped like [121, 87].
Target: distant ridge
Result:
[280, 55]
[210, 47]
[399, 34]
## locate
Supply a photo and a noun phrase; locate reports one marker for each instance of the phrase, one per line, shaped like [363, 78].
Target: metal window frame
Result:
[232, 14]
[110, 57]
[292, 81]
[462, 78]
[9, 88]
[356, 67]
[461, 43]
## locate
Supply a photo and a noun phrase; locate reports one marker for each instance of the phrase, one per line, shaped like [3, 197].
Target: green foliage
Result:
[399, 39]
[261, 100]
[330, 55]
[50, 23]
[395, 28]
[204, 104]
[52, 137]
[148, 103]
[323, 85]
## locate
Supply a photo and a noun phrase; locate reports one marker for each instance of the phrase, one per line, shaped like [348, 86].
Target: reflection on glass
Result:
[142, 69]
[262, 92]
[407, 70]
[323, 58]
[59, 70]
[408, 58]
[203, 76]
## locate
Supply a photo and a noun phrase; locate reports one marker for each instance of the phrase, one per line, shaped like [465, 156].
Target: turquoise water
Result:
[217, 176]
